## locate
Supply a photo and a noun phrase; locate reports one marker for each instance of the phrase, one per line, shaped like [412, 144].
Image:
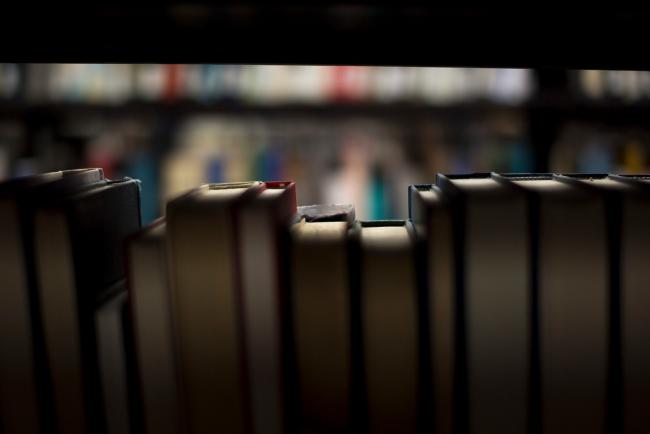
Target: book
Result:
[263, 231]
[386, 287]
[628, 238]
[112, 329]
[25, 390]
[151, 311]
[431, 217]
[207, 300]
[79, 256]
[570, 266]
[321, 306]
[613, 193]
[492, 307]
[326, 213]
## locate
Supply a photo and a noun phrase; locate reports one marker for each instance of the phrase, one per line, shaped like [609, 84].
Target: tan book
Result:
[263, 225]
[389, 325]
[207, 306]
[320, 288]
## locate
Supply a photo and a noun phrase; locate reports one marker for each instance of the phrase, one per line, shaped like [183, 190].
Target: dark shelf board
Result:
[181, 108]
[352, 32]
[612, 111]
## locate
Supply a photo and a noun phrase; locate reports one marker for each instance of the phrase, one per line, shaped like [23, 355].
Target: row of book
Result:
[536, 288]
[119, 83]
[625, 86]
[62, 301]
[505, 303]
[264, 84]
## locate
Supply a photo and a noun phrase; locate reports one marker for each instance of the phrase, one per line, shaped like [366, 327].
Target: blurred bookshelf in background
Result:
[344, 133]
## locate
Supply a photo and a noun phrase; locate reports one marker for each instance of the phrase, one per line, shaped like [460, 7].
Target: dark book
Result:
[112, 347]
[79, 255]
[628, 239]
[431, 217]
[25, 389]
[151, 313]
[320, 298]
[570, 262]
[492, 302]
[634, 299]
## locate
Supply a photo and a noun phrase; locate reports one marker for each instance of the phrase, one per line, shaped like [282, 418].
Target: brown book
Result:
[25, 389]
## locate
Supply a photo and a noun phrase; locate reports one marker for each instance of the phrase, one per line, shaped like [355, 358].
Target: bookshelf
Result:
[182, 108]
[399, 143]
[544, 116]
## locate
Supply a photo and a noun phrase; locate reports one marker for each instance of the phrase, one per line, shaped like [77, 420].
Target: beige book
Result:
[263, 224]
[321, 322]
[201, 228]
[389, 320]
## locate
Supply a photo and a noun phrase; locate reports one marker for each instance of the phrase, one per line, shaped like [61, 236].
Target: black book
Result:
[431, 217]
[491, 303]
[113, 329]
[79, 254]
[25, 391]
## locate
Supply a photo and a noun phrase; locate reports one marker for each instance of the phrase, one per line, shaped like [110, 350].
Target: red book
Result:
[173, 82]
[349, 83]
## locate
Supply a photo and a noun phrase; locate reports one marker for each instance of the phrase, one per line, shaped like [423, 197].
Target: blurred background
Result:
[345, 134]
